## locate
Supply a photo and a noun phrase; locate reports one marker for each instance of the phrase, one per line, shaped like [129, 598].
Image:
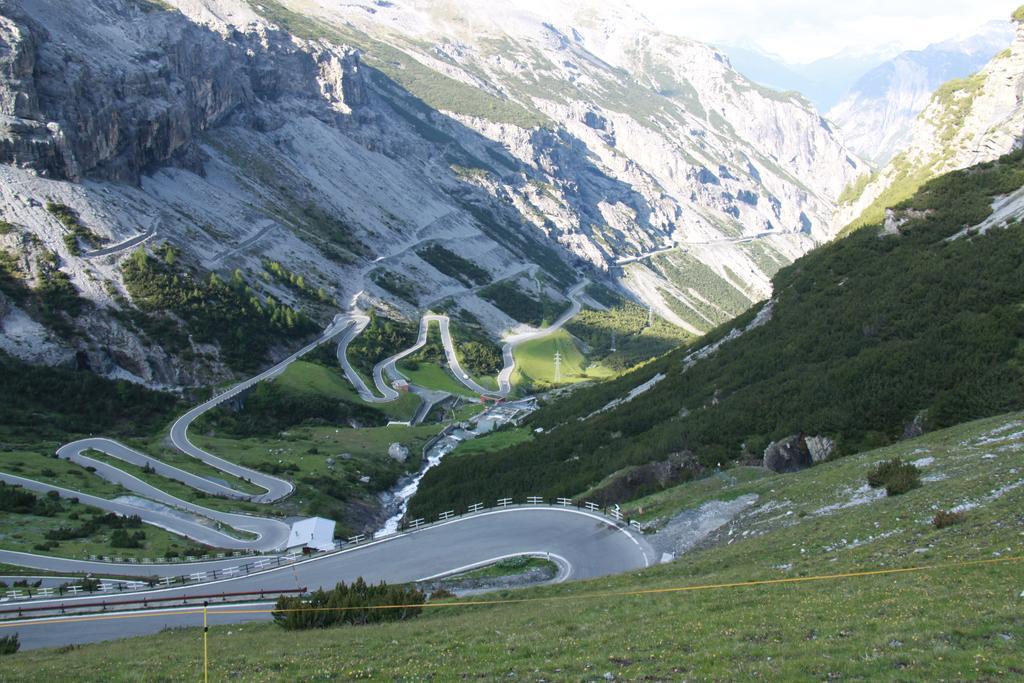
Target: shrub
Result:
[945, 518]
[9, 644]
[454, 266]
[896, 476]
[903, 481]
[441, 593]
[90, 584]
[509, 299]
[122, 539]
[360, 603]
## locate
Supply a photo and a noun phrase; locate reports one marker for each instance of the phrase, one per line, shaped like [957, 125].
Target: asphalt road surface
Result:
[585, 544]
[133, 241]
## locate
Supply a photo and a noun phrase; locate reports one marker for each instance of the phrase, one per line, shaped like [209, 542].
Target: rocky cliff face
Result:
[968, 121]
[339, 140]
[85, 101]
[877, 115]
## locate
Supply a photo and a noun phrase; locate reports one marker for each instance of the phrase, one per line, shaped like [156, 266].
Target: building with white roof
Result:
[315, 533]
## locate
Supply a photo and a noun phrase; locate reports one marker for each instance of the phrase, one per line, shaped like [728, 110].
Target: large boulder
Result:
[398, 452]
[644, 479]
[788, 455]
[915, 427]
[820, 447]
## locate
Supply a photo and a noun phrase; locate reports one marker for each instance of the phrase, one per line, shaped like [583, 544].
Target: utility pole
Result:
[558, 366]
[650, 316]
[613, 342]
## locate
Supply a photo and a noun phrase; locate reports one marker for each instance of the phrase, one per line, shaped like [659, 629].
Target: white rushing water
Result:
[403, 494]
[483, 423]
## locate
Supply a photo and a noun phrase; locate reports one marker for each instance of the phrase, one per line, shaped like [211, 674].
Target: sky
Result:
[804, 30]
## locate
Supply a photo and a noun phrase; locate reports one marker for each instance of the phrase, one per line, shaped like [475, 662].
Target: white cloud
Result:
[804, 30]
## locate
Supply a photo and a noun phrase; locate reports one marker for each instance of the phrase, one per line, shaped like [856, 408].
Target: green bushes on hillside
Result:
[96, 523]
[478, 353]
[269, 409]
[479, 357]
[11, 282]
[44, 401]
[295, 282]
[9, 644]
[382, 338]
[508, 298]
[53, 301]
[396, 284]
[865, 334]
[624, 335]
[357, 604]
[68, 217]
[948, 518]
[895, 476]
[229, 313]
[16, 500]
[454, 266]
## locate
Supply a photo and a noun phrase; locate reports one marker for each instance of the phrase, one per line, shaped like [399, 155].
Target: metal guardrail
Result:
[184, 599]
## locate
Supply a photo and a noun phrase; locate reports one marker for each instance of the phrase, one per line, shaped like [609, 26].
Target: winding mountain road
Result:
[388, 368]
[209, 526]
[585, 545]
[582, 543]
[508, 351]
[179, 522]
[161, 509]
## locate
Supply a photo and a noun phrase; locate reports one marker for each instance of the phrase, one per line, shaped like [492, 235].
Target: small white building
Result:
[315, 533]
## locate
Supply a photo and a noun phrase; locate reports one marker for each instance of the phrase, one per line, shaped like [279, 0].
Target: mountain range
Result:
[341, 141]
[824, 81]
[967, 121]
[877, 113]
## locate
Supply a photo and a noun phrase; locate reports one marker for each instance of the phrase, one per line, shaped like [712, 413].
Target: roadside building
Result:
[315, 533]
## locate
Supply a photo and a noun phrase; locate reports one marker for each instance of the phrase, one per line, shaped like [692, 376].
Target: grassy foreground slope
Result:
[947, 623]
[865, 336]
